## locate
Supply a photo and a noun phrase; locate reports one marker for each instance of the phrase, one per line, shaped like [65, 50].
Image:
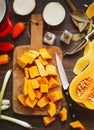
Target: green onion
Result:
[17, 121]
[4, 87]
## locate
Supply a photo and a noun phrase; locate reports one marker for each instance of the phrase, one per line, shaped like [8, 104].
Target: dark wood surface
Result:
[85, 116]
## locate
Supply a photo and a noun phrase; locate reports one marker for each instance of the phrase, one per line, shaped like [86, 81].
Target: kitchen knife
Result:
[65, 85]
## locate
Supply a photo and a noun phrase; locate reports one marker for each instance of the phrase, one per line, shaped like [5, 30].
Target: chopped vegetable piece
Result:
[25, 87]
[26, 70]
[43, 101]
[42, 80]
[90, 10]
[33, 71]
[31, 92]
[31, 103]
[55, 95]
[45, 54]
[44, 88]
[18, 29]
[51, 70]
[35, 83]
[36, 53]
[4, 59]
[22, 63]
[38, 94]
[22, 99]
[43, 61]
[48, 119]
[63, 114]
[41, 68]
[52, 109]
[77, 124]
[53, 83]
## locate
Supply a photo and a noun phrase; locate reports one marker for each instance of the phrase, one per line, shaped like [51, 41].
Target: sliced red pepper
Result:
[6, 46]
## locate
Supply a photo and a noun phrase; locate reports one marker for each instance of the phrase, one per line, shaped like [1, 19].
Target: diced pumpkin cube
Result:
[77, 124]
[48, 119]
[41, 68]
[22, 63]
[45, 54]
[43, 61]
[25, 87]
[31, 92]
[31, 103]
[42, 80]
[26, 70]
[38, 94]
[43, 101]
[31, 57]
[44, 88]
[51, 70]
[63, 114]
[36, 53]
[55, 95]
[35, 83]
[53, 83]
[33, 71]
[52, 109]
[22, 98]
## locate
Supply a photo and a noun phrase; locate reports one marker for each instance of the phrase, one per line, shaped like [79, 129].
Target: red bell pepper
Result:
[6, 46]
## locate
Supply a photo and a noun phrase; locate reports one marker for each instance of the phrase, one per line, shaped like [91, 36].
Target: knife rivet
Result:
[73, 115]
[70, 104]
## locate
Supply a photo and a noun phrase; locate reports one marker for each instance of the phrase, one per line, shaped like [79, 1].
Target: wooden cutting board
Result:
[18, 73]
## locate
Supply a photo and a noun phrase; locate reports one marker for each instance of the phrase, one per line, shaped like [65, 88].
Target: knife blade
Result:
[65, 85]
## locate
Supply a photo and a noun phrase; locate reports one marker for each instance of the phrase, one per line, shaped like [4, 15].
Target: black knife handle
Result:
[70, 106]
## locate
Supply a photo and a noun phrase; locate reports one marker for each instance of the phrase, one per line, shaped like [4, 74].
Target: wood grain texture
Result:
[18, 74]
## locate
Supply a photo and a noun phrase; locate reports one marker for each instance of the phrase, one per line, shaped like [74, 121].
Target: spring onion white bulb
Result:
[16, 121]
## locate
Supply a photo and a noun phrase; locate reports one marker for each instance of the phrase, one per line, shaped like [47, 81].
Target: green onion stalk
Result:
[7, 118]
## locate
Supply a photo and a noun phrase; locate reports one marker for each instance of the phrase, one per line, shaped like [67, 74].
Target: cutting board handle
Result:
[37, 31]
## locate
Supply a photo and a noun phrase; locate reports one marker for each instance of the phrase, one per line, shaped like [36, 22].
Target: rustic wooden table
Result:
[85, 116]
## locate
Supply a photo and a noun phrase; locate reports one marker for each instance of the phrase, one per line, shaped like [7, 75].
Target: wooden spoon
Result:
[75, 10]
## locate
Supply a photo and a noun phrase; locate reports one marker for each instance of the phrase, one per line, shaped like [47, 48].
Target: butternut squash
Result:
[42, 80]
[43, 101]
[63, 114]
[35, 84]
[41, 68]
[48, 119]
[77, 124]
[31, 92]
[55, 95]
[31, 103]
[90, 10]
[52, 109]
[53, 83]
[82, 87]
[45, 54]
[22, 98]
[33, 71]
[43, 61]
[84, 61]
[51, 70]
[44, 88]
